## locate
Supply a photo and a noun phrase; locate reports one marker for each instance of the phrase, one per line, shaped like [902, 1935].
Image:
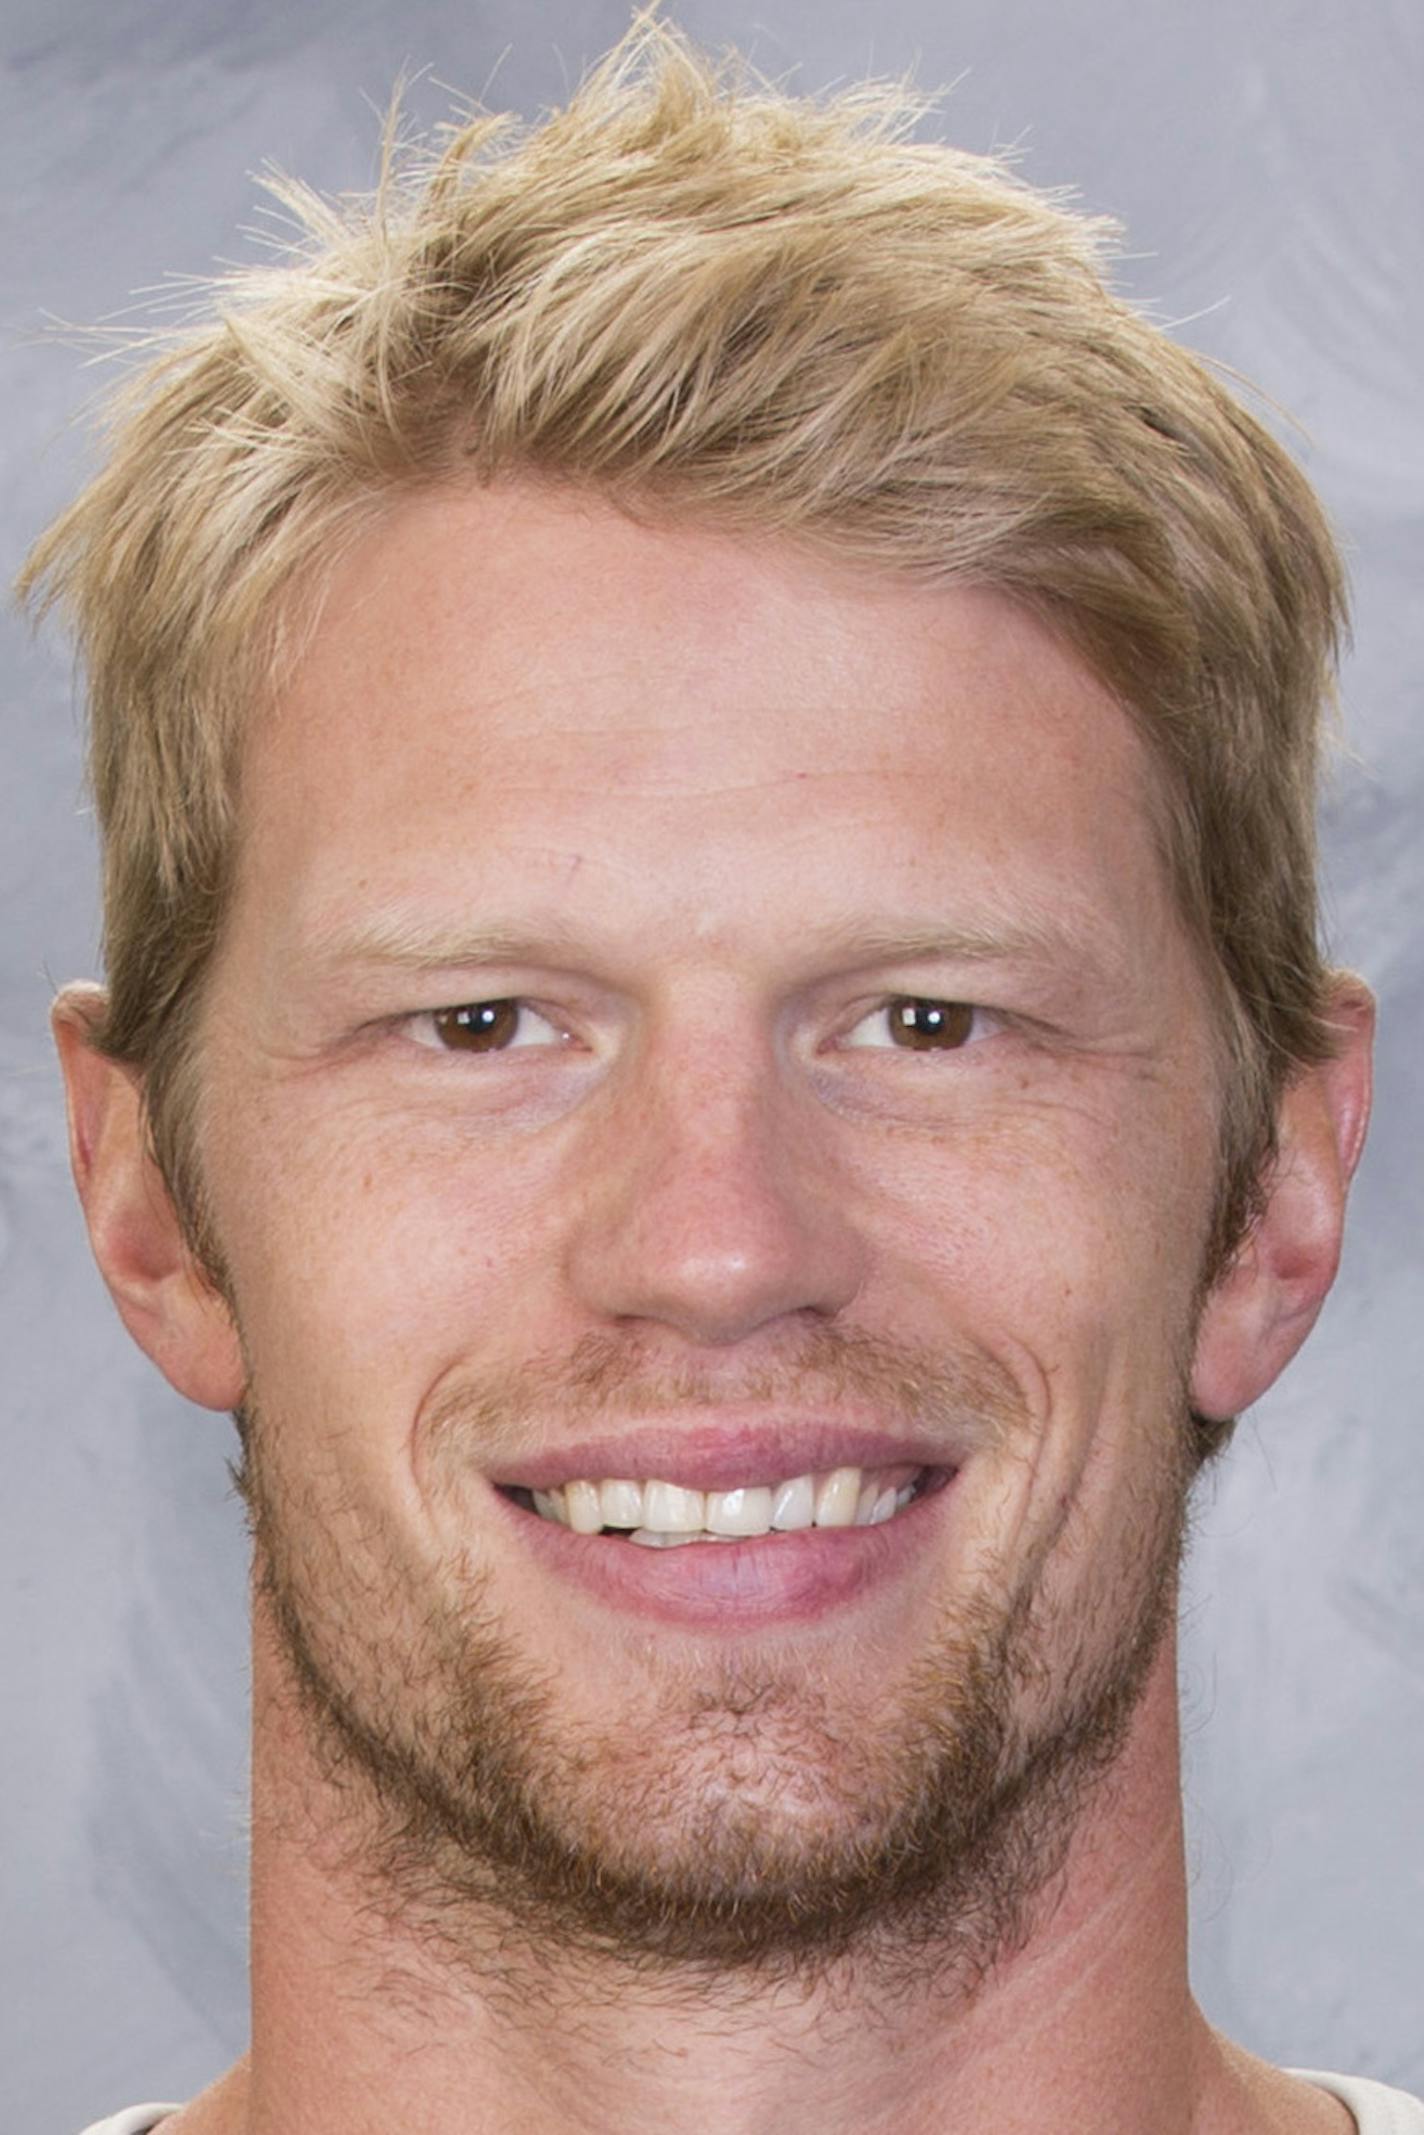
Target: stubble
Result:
[744, 1828]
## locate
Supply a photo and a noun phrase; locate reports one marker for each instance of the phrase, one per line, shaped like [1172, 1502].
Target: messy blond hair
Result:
[703, 299]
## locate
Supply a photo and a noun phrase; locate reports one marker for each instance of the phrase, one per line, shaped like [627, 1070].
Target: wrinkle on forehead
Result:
[512, 712]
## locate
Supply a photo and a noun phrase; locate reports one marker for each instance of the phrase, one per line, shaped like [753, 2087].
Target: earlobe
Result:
[164, 1300]
[1268, 1300]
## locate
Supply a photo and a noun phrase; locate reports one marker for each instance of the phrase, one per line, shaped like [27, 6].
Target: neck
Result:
[359, 2023]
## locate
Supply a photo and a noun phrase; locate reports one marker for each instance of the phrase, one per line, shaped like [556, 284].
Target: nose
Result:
[710, 1206]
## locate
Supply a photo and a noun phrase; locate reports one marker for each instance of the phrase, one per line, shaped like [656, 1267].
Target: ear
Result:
[166, 1302]
[1267, 1301]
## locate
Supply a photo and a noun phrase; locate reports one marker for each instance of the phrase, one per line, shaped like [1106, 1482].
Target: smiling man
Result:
[715, 1040]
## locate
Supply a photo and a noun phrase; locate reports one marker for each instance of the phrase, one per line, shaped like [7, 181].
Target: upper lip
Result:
[703, 1455]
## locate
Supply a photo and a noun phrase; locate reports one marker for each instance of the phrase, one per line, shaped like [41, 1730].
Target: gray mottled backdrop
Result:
[1267, 159]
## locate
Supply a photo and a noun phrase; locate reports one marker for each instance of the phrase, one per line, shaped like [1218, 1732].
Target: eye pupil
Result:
[479, 1027]
[926, 1026]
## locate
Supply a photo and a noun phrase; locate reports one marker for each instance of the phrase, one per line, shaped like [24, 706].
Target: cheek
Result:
[365, 1259]
[1053, 1214]
[1070, 1252]
[371, 1252]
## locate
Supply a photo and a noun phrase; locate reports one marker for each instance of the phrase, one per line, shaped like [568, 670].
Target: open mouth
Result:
[663, 1515]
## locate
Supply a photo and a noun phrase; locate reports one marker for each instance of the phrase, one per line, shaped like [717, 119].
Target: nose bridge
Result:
[711, 1210]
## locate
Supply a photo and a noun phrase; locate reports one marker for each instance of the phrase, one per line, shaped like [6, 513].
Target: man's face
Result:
[695, 1017]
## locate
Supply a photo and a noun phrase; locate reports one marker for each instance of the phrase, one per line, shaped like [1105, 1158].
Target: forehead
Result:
[512, 691]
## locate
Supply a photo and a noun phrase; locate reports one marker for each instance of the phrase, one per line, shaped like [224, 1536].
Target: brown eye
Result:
[929, 1026]
[478, 1027]
[484, 1028]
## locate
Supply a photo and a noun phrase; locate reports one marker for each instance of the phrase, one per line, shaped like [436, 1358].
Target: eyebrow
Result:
[413, 942]
[1024, 939]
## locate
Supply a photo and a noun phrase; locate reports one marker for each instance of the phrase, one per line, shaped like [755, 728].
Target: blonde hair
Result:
[702, 298]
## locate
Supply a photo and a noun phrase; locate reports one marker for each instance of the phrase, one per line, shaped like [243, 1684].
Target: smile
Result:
[666, 1515]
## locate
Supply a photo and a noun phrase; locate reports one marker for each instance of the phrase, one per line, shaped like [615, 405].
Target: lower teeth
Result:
[651, 1538]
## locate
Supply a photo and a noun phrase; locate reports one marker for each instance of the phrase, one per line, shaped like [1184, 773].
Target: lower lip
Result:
[736, 1586]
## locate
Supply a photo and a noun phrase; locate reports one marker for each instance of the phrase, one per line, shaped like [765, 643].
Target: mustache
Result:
[552, 1394]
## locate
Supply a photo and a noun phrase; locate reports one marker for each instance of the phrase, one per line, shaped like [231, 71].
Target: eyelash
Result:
[939, 1011]
[425, 1027]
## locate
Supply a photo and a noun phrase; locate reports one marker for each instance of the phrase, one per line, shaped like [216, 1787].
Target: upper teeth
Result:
[658, 1513]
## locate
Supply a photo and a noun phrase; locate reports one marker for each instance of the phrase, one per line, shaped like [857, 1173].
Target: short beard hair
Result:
[477, 1818]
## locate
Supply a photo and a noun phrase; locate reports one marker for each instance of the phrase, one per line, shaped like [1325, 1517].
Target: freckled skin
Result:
[708, 810]
[701, 1163]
